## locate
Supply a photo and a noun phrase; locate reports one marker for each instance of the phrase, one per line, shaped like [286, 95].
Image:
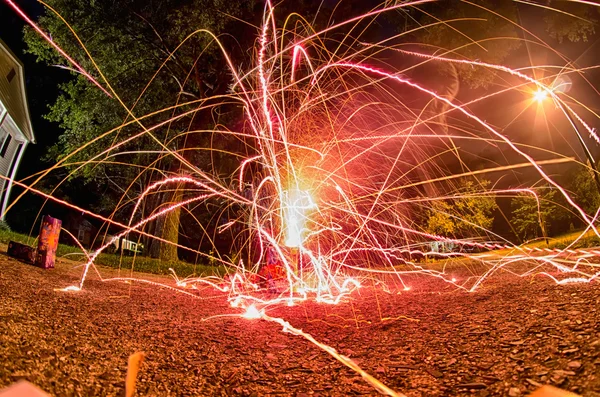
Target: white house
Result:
[15, 126]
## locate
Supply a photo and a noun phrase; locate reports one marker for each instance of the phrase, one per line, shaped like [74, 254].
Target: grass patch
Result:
[589, 240]
[8, 235]
[139, 263]
[156, 266]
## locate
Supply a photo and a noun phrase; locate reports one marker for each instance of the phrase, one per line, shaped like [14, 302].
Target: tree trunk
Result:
[167, 227]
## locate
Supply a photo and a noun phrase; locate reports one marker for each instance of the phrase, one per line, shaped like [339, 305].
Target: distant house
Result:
[15, 126]
[90, 234]
[443, 246]
[80, 228]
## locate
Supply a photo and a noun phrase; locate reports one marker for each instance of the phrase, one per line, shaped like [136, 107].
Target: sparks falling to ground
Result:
[337, 162]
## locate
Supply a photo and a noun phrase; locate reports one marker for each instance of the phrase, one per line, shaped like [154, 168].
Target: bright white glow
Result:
[70, 288]
[252, 313]
[297, 202]
[540, 95]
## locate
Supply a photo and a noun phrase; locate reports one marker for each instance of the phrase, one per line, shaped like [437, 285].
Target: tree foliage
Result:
[490, 31]
[570, 20]
[585, 190]
[153, 56]
[539, 216]
[130, 40]
[481, 32]
[469, 212]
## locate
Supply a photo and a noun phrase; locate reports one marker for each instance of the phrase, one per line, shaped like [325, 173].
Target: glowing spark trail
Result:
[253, 313]
[56, 47]
[341, 179]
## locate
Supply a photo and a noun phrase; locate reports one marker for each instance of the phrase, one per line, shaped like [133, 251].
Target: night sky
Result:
[41, 84]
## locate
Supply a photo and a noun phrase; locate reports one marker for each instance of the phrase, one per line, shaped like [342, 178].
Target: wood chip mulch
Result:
[507, 338]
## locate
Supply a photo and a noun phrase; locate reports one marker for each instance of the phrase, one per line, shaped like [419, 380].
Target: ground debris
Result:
[472, 386]
[77, 344]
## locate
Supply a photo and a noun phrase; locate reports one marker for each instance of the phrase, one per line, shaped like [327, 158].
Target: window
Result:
[81, 234]
[5, 145]
[11, 75]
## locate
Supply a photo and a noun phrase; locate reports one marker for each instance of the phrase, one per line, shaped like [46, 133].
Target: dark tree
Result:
[150, 56]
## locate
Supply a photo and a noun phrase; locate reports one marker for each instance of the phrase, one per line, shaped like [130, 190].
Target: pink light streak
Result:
[56, 47]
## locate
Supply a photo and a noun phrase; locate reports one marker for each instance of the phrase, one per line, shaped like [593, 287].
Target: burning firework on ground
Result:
[352, 171]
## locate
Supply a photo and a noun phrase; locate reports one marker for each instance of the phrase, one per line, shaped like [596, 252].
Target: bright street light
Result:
[559, 86]
[540, 95]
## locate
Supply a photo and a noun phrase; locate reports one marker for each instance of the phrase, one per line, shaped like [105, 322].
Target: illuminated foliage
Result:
[468, 212]
[571, 21]
[585, 189]
[535, 216]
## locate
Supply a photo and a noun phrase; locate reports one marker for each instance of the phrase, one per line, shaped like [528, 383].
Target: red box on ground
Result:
[48, 242]
[20, 251]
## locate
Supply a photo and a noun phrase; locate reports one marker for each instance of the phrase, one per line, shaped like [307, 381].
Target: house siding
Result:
[12, 91]
[7, 160]
[14, 121]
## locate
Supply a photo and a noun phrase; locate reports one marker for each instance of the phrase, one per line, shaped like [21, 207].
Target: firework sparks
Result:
[338, 164]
